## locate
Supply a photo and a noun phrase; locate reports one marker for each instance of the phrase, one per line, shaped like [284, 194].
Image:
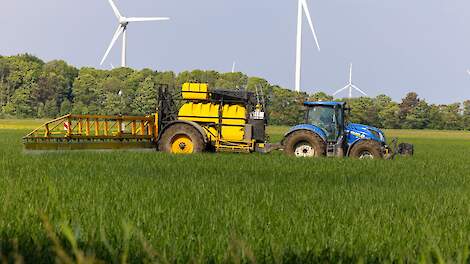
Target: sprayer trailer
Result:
[217, 120]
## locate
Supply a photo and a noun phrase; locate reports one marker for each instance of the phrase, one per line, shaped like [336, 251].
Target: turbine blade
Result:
[143, 19]
[309, 18]
[357, 88]
[118, 32]
[115, 9]
[468, 71]
[340, 90]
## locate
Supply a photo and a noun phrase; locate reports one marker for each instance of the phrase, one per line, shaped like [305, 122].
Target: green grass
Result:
[21, 123]
[222, 207]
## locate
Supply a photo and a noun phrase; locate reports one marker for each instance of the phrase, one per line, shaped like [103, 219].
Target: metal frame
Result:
[93, 132]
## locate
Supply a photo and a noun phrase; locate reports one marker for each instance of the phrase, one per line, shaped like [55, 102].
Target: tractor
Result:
[327, 132]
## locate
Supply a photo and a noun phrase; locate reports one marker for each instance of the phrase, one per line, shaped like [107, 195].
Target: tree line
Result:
[32, 88]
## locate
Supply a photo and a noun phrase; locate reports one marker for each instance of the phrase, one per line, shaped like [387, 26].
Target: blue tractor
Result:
[327, 132]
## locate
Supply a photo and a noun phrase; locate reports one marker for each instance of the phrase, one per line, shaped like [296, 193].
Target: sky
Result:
[396, 46]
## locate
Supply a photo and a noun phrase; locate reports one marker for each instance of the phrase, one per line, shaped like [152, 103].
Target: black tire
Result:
[367, 149]
[181, 130]
[303, 138]
[406, 149]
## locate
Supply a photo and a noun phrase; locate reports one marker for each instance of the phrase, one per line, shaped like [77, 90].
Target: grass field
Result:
[148, 206]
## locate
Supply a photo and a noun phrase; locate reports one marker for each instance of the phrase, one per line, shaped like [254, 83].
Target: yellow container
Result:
[195, 91]
[233, 119]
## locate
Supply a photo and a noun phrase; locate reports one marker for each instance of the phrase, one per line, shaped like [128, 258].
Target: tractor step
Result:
[331, 149]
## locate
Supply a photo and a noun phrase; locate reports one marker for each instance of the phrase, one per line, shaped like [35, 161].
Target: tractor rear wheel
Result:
[304, 144]
[181, 139]
[367, 149]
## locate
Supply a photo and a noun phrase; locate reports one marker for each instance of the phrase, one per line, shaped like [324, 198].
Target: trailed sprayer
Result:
[193, 120]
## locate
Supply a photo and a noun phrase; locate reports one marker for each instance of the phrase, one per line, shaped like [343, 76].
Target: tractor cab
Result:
[328, 116]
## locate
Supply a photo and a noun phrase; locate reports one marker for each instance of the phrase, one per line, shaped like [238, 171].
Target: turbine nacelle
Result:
[123, 21]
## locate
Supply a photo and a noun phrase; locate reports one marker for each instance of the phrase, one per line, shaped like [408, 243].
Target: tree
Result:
[87, 94]
[3, 94]
[21, 104]
[209, 77]
[364, 111]
[410, 101]
[4, 72]
[146, 97]
[388, 115]
[320, 96]
[50, 108]
[31, 88]
[115, 105]
[255, 83]
[232, 80]
[80, 108]
[417, 117]
[452, 120]
[67, 72]
[466, 115]
[18, 72]
[166, 78]
[50, 87]
[285, 106]
[66, 107]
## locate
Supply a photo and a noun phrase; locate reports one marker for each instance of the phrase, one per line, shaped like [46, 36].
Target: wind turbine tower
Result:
[303, 8]
[350, 85]
[122, 29]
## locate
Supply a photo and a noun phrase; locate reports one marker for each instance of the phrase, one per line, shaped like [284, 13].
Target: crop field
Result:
[153, 207]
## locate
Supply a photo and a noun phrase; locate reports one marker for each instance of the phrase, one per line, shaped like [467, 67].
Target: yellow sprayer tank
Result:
[232, 123]
[211, 119]
[229, 119]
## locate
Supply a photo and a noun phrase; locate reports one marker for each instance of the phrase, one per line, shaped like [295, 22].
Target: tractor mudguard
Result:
[191, 123]
[311, 128]
[351, 146]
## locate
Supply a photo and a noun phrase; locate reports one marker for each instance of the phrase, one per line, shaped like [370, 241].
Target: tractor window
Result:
[325, 118]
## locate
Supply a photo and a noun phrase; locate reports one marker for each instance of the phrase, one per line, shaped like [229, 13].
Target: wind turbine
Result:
[303, 8]
[233, 66]
[350, 85]
[122, 29]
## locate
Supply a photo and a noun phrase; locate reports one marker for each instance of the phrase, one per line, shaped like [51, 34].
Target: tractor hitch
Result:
[395, 148]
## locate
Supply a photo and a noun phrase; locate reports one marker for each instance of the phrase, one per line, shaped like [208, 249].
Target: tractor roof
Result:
[324, 104]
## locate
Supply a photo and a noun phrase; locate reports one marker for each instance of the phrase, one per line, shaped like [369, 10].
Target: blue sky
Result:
[396, 46]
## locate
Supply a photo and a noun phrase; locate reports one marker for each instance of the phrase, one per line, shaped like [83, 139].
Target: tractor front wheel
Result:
[181, 139]
[304, 144]
[367, 149]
